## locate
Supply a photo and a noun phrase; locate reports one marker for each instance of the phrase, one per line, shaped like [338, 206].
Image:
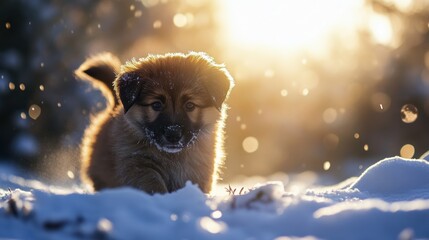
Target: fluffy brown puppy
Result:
[163, 124]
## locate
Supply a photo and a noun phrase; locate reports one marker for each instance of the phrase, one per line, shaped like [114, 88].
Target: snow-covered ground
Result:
[390, 200]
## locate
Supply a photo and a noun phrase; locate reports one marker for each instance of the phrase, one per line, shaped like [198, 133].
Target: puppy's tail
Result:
[101, 70]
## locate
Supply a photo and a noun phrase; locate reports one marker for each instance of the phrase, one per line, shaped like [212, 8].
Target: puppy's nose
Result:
[173, 134]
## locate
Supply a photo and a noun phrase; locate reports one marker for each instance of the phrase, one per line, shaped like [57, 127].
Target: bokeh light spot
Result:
[356, 135]
[138, 14]
[250, 144]
[104, 225]
[70, 174]
[305, 92]
[11, 86]
[330, 115]
[34, 111]
[157, 24]
[216, 214]
[407, 151]
[283, 92]
[173, 217]
[269, 73]
[180, 20]
[409, 113]
[326, 165]
[211, 225]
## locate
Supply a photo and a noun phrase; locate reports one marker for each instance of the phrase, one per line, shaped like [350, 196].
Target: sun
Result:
[287, 24]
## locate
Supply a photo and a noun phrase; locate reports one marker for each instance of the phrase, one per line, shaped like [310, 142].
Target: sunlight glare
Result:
[403, 5]
[381, 29]
[289, 25]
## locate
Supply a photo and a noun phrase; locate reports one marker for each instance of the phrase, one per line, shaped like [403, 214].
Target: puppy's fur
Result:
[163, 124]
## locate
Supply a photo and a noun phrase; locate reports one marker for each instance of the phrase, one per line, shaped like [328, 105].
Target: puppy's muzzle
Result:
[173, 134]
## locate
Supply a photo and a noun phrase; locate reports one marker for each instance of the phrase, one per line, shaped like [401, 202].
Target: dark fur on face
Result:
[163, 128]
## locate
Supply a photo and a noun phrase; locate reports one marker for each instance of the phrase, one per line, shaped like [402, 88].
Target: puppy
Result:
[163, 124]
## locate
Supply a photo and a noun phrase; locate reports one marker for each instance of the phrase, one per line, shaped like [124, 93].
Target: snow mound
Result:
[425, 156]
[265, 211]
[394, 176]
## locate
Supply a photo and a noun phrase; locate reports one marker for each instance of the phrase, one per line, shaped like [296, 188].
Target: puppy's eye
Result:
[189, 106]
[157, 106]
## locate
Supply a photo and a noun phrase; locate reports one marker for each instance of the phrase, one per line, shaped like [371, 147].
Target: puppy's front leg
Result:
[150, 181]
[146, 179]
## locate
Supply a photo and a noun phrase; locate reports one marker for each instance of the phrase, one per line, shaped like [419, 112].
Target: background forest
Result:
[347, 80]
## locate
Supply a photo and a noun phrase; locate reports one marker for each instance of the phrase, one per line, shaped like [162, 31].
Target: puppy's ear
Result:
[215, 77]
[102, 67]
[127, 88]
[218, 83]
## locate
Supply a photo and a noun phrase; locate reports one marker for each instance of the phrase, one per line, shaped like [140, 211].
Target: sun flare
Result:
[289, 25]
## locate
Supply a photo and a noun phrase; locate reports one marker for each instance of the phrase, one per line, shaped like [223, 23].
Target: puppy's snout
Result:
[173, 134]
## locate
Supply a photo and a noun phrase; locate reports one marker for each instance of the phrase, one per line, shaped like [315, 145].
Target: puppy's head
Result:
[170, 99]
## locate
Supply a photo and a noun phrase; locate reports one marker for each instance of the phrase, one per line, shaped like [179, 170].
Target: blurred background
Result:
[328, 86]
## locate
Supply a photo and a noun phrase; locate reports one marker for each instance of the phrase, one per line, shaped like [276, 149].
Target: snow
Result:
[390, 200]
[399, 176]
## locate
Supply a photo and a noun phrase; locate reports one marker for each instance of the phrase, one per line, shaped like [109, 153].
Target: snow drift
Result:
[390, 200]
